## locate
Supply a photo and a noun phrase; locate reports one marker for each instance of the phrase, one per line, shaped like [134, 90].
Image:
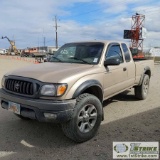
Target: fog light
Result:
[50, 115]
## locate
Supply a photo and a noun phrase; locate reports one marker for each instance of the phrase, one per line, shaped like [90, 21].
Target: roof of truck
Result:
[101, 41]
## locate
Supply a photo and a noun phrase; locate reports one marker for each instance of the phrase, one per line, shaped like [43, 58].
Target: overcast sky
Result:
[29, 21]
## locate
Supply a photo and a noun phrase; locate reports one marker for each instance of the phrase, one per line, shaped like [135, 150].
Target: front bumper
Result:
[35, 108]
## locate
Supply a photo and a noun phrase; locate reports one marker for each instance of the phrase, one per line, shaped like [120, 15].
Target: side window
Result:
[114, 51]
[126, 52]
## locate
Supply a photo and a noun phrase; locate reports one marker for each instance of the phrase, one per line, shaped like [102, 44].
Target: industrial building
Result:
[155, 51]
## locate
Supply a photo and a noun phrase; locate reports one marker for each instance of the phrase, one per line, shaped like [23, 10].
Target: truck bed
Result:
[141, 65]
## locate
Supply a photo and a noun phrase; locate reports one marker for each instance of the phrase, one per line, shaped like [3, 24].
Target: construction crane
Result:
[12, 48]
[136, 35]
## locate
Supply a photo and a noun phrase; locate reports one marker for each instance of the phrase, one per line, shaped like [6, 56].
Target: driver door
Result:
[114, 76]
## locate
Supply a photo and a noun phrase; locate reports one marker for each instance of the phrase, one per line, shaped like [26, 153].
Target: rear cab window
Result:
[126, 52]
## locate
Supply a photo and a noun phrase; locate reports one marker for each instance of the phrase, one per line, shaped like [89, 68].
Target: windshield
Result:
[86, 53]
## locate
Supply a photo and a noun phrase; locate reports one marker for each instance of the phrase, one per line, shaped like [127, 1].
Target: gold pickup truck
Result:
[71, 87]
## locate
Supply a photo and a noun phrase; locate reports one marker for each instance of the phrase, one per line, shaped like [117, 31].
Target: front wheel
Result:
[86, 119]
[141, 91]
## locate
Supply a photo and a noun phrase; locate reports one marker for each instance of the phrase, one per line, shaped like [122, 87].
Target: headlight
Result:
[2, 82]
[53, 90]
[48, 90]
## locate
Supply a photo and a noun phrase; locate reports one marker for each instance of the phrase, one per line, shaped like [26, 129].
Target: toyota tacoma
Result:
[71, 87]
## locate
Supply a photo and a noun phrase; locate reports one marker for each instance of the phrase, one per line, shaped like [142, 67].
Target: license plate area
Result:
[14, 107]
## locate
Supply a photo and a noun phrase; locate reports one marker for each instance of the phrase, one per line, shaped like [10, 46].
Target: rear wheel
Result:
[86, 120]
[141, 91]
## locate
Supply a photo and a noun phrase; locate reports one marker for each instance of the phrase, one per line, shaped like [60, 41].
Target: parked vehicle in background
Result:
[3, 51]
[70, 89]
[29, 52]
[49, 56]
[33, 52]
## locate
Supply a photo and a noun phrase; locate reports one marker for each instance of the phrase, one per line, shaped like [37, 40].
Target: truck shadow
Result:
[48, 139]
[124, 96]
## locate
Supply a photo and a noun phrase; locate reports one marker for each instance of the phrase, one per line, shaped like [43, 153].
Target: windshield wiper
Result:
[80, 60]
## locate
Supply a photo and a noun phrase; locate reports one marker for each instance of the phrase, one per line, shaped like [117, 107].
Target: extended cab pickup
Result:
[71, 87]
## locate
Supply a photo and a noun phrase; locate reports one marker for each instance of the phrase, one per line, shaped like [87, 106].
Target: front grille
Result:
[19, 86]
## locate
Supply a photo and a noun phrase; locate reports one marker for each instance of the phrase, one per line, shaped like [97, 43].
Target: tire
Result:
[21, 117]
[86, 120]
[141, 91]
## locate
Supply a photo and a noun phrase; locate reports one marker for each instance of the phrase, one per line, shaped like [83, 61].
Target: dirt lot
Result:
[126, 119]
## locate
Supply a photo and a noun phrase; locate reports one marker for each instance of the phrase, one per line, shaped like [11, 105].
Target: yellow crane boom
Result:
[12, 47]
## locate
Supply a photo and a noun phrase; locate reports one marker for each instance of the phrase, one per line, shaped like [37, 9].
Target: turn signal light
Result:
[61, 89]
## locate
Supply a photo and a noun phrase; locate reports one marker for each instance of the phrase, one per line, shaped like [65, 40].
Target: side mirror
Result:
[112, 62]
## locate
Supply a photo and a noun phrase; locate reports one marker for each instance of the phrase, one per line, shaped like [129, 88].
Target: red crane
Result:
[136, 29]
[136, 34]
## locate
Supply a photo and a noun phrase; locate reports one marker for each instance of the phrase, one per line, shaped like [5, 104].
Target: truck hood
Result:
[51, 72]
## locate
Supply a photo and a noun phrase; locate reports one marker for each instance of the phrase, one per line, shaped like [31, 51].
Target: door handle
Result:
[124, 69]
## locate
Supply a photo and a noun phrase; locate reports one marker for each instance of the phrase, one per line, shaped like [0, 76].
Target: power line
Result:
[83, 5]
[106, 17]
[149, 9]
[99, 9]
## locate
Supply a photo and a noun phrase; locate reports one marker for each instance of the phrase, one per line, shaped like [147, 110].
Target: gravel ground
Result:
[126, 119]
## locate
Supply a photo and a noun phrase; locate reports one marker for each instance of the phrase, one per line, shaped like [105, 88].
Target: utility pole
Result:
[44, 42]
[56, 27]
